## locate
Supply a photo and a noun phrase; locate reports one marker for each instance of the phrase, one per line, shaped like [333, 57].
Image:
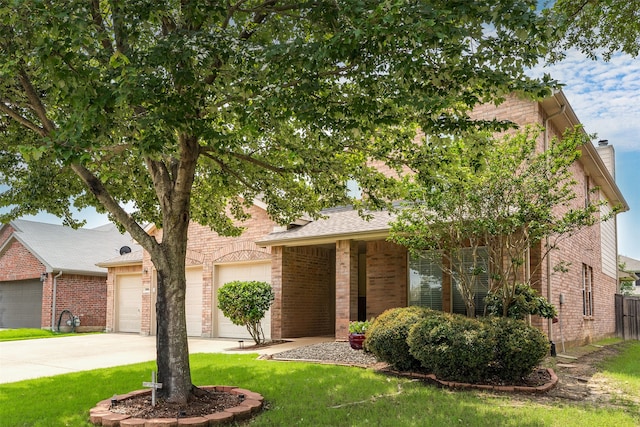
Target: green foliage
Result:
[595, 27]
[480, 191]
[519, 348]
[453, 347]
[359, 327]
[526, 300]
[246, 303]
[387, 336]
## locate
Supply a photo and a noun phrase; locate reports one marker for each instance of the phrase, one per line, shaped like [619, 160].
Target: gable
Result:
[18, 263]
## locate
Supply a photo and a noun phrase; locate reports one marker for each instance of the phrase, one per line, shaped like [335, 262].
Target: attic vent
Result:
[125, 250]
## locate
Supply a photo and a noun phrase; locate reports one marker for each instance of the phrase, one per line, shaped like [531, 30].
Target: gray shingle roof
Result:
[62, 248]
[339, 223]
[630, 264]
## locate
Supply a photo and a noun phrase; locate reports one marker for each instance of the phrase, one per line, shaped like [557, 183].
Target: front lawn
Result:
[304, 394]
[28, 334]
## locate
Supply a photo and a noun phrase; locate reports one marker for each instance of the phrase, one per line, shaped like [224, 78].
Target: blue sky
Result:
[606, 99]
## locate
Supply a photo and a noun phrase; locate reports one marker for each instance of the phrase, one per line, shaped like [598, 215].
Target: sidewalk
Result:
[21, 360]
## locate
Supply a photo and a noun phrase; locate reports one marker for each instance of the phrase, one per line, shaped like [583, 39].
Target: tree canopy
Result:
[596, 28]
[189, 110]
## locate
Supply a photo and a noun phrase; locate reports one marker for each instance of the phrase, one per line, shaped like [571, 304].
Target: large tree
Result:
[596, 27]
[189, 110]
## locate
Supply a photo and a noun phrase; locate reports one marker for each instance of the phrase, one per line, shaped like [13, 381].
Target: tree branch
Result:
[96, 15]
[35, 101]
[22, 120]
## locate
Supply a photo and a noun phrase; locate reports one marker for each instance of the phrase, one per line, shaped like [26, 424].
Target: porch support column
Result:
[277, 255]
[346, 286]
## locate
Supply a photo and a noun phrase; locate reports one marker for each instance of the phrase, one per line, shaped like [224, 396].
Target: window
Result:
[425, 281]
[587, 192]
[482, 283]
[587, 290]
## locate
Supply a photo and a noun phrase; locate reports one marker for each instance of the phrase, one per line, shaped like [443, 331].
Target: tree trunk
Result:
[171, 346]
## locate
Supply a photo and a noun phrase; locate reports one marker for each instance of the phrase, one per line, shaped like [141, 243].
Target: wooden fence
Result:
[628, 317]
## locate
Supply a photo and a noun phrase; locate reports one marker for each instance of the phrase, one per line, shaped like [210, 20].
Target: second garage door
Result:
[228, 273]
[129, 302]
[21, 304]
[193, 302]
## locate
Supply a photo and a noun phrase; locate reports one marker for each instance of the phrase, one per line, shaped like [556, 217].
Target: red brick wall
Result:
[17, 263]
[84, 296]
[305, 292]
[386, 277]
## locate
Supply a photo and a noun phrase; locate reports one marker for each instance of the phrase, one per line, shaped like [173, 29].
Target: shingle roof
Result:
[630, 264]
[62, 248]
[134, 257]
[338, 223]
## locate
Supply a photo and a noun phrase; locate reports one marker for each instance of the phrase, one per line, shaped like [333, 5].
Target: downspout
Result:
[546, 147]
[53, 301]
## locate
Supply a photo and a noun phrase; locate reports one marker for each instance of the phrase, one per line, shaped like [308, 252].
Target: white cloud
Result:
[604, 95]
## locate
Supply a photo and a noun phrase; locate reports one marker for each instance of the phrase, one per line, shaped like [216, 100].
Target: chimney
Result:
[603, 142]
[608, 156]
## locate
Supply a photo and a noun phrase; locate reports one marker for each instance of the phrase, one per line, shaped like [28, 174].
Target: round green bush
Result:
[246, 303]
[519, 348]
[453, 347]
[386, 338]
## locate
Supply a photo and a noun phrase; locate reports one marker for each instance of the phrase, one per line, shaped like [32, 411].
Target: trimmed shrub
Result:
[246, 303]
[453, 347]
[386, 338]
[519, 348]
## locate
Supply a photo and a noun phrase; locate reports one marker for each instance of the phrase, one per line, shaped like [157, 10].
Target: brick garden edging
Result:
[100, 415]
[465, 386]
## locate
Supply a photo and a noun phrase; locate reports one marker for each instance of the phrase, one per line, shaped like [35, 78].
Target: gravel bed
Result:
[337, 352]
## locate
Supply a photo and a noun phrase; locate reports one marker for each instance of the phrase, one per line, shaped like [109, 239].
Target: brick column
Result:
[346, 286]
[277, 253]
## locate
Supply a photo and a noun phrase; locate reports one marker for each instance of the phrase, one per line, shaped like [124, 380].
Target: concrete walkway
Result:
[21, 360]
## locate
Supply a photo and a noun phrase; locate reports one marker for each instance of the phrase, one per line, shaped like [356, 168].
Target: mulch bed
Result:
[203, 402]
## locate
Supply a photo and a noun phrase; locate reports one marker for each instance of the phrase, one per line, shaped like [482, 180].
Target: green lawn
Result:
[28, 334]
[312, 395]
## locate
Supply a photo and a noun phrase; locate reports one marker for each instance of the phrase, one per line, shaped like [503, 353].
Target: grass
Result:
[316, 395]
[624, 372]
[28, 334]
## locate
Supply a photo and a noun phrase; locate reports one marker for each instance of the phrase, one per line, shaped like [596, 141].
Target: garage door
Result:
[129, 303]
[193, 302]
[21, 304]
[228, 273]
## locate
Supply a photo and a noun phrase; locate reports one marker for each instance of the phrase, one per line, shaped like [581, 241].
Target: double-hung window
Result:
[587, 290]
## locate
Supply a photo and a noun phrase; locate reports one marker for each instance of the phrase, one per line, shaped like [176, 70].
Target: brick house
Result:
[46, 268]
[328, 272]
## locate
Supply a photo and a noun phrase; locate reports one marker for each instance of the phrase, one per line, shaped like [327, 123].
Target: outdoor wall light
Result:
[43, 276]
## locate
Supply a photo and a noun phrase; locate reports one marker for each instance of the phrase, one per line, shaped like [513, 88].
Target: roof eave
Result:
[589, 155]
[324, 239]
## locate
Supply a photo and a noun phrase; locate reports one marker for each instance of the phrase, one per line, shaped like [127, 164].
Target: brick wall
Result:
[386, 277]
[84, 296]
[17, 263]
[306, 292]
[346, 286]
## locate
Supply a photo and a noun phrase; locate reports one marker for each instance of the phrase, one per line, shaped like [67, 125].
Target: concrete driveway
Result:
[21, 360]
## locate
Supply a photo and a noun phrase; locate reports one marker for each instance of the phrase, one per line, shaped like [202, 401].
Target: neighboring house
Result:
[328, 272]
[631, 271]
[46, 268]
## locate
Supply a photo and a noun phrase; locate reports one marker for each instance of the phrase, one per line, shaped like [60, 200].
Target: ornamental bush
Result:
[453, 347]
[519, 348]
[387, 337]
[246, 303]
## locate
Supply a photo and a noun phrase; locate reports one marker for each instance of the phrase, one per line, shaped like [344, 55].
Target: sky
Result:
[606, 98]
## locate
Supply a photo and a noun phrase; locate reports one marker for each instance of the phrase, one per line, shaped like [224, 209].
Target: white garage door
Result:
[129, 303]
[228, 273]
[193, 302]
[21, 304]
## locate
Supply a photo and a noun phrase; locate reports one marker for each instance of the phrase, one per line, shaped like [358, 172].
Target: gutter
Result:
[546, 147]
[53, 300]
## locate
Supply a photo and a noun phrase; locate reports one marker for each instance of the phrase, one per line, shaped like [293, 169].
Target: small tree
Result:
[496, 193]
[246, 303]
